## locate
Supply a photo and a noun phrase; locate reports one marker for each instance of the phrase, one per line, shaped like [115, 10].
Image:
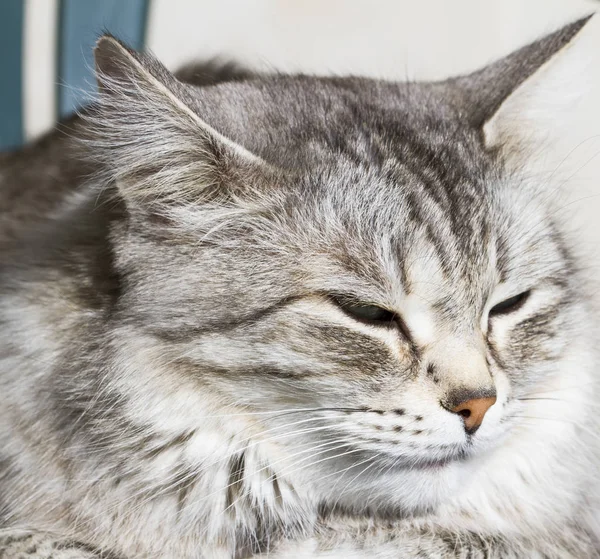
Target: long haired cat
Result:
[290, 316]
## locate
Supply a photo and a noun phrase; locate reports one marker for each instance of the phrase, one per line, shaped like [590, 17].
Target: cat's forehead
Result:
[300, 120]
[446, 238]
[400, 145]
[356, 142]
[394, 163]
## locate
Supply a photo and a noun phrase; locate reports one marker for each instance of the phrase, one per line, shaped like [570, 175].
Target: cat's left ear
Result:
[524, 100]
[151, 139]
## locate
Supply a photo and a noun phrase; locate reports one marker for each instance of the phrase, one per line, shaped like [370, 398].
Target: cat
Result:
[289, 316]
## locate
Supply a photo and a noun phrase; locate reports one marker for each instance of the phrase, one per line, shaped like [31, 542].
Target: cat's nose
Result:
[471, 405]
[473, 410]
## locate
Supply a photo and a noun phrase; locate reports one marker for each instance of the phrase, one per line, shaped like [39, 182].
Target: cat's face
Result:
[365, 307]
[341, 309]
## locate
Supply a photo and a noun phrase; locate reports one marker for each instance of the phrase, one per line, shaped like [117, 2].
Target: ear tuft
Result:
[118, 65]
[110, 56]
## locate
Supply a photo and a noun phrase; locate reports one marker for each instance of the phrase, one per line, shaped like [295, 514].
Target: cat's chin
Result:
[429, 458]
[410, 483]
[401, 491]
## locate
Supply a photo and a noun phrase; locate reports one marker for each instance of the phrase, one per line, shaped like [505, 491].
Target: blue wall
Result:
[11, 87]
[80, 23]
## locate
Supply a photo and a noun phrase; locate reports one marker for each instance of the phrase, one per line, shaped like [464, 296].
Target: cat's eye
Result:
[371, 314]
[509, 305]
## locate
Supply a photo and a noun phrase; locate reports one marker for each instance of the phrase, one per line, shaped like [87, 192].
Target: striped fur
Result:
[179, 380]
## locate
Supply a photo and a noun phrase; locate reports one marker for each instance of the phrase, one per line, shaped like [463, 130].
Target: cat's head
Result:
[365, 278]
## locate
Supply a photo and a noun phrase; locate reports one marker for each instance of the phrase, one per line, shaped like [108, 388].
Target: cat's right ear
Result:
[524, 102]
[152, 142]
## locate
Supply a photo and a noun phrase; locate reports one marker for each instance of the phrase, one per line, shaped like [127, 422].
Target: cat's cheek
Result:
[522, 350]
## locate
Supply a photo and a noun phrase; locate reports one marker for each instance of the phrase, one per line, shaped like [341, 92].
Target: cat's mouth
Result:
[428, 463]
[435, 458]
[434, 462]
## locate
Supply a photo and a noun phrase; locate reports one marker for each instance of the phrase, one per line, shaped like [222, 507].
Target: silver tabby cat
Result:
[290, 316]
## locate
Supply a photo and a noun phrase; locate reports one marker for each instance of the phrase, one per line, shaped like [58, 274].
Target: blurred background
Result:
[46, 53]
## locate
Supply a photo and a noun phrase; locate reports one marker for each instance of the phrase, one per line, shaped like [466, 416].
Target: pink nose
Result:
[473, 411]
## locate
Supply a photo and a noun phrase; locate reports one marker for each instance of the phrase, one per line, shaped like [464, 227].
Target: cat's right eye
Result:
[509, 305]
[364, 312]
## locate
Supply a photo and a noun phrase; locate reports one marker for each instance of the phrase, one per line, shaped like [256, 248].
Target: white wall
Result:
[386, 38]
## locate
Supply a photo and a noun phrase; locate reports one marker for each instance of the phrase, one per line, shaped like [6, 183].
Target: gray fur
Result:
[177, 381]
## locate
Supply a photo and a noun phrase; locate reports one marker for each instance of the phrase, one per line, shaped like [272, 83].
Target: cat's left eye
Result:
[364, 312]
[509, 305]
